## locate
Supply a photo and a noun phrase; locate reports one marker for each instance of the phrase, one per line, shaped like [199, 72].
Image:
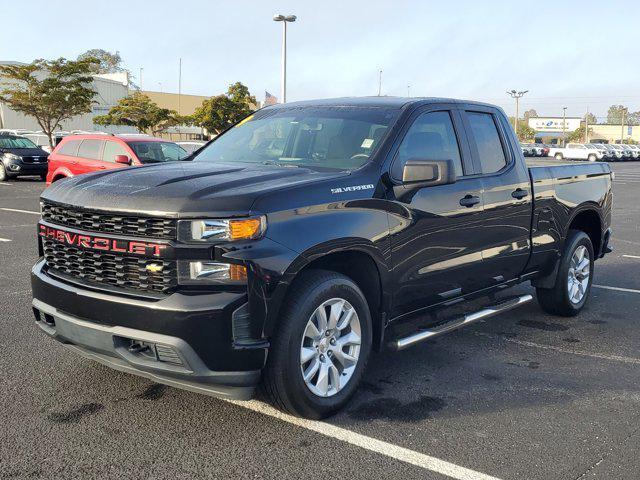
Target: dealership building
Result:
[552, 129]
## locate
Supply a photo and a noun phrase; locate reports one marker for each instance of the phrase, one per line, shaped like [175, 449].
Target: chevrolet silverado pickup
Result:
[295, 244]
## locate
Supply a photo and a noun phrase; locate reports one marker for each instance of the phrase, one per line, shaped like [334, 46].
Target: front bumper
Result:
[188, 340]
[18, 167]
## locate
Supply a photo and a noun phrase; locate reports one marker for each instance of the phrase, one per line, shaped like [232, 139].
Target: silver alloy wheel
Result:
[330, 347]
[578, 278]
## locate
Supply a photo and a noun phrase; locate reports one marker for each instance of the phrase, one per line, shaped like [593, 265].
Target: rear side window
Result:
[430, 137]
[111, 149]
[69, 148]
[90, 148]
[487, 139]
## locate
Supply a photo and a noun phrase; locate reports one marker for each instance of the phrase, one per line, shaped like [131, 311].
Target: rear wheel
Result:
[558, 156]
[591, 157]
[320, 351]
[571, 290]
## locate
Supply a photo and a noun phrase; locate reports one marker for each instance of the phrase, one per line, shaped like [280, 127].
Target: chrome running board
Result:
[458, 322]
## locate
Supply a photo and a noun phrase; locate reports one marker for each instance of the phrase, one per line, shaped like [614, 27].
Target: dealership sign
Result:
[554, 124]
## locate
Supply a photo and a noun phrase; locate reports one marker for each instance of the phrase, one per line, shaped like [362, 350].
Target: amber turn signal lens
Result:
[238, 272]
[245, 228]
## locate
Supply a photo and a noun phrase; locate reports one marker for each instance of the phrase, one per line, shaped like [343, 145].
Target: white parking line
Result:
[20, 211]
[390, 450]
[599, 356]
[4, 240]
[2, 184]
[631, 256]
[617, 289]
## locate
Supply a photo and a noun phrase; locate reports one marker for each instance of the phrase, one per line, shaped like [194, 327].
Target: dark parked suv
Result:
[296, 242]
[19, 156]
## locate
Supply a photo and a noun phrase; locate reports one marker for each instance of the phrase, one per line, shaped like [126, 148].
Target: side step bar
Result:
[458, 322]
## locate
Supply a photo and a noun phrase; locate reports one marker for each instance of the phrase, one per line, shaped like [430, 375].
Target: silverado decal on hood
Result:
[352, 188]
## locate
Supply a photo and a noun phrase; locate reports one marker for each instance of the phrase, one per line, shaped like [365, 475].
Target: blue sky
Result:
[566, 53]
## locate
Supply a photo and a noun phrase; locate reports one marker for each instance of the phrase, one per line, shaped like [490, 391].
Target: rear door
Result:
[436, 252]
[89, 156]
[505, 232]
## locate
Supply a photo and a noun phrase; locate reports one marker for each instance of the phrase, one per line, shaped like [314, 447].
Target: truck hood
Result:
[180, 189]
[26, 152]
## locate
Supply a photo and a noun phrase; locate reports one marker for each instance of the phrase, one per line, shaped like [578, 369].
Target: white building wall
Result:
[108, 93]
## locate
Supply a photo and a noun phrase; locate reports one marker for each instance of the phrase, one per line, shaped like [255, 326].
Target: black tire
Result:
[282, 379]
[556, 300]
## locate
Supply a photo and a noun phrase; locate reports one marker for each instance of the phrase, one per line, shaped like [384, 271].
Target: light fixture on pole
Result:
[515, 94]
[284, 19]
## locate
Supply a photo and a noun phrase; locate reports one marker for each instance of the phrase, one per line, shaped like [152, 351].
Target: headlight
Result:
[209, 272]
[12, 156]
[222, 230]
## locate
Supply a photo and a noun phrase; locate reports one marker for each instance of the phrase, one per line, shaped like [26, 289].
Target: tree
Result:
[106, 62]
[633, 118]
[51, 91]
[615, 114]
[577, 136]
[218, 113]
[138, 110]
[530, 114]
[525, 132]
[591, 118]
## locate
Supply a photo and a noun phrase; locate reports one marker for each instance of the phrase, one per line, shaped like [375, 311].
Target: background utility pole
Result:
[409, 90]
[380, 83]
[140, 79]
[586, 126]
[624, 114]
[179, 92]
[564, 126]
[515, 94]
[283, 81]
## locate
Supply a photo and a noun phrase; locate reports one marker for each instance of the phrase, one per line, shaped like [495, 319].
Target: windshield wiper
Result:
[280, 164]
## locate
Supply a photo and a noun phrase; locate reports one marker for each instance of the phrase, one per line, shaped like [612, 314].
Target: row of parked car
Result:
[608, 152]
[76, 154]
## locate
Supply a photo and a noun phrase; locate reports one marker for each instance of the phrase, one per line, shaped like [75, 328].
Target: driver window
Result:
[431, 137]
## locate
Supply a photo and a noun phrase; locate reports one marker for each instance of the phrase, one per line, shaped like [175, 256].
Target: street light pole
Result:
[141, 77]
[624, 114]
[380, 83]
[564, 126]
[515, 94]
[283, 81]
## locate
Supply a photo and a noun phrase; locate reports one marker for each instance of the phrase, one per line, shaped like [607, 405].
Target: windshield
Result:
[317, 137]
[155, 152]
[16, 142]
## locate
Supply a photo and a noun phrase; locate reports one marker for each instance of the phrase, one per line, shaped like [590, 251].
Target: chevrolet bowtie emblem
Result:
[154, 267]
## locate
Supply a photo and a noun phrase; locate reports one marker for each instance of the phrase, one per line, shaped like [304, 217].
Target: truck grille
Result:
[103, 268]
[127, 225]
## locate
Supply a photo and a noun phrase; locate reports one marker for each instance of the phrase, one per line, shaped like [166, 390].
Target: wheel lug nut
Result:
[332, 341]
[327, 333]
[322, 358]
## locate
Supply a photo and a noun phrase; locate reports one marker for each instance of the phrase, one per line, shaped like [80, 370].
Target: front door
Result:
[436, 253]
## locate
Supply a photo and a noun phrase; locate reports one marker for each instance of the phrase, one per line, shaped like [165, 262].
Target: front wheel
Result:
[3, 173]
[321, 348]
[571, 290]
[558, 156]
[592, 158]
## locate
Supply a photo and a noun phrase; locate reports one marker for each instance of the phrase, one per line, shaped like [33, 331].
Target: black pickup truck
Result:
[284, 251]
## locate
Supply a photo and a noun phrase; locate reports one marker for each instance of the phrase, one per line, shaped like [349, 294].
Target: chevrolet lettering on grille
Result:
[102, 243]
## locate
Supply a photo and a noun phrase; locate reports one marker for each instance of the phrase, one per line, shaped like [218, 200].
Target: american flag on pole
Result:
[269, 99]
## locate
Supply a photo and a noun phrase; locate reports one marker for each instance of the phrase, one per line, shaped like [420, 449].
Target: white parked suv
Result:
[577, 151]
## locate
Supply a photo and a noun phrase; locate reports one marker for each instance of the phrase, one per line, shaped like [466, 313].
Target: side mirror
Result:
[428, 173]
[123, 159]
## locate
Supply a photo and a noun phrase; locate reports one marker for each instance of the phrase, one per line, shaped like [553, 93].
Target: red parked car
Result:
[78, 154]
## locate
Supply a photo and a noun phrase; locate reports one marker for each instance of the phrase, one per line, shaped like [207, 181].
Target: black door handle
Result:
[519, 193]
[469, 201]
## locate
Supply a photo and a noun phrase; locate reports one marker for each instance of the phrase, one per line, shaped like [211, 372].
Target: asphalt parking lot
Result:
[523, 395]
